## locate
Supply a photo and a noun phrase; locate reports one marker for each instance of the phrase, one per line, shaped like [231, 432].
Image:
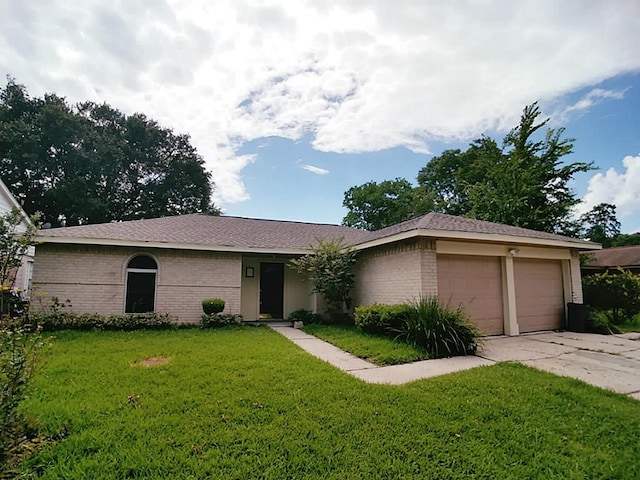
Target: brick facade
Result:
[396, 273]
[93, 278]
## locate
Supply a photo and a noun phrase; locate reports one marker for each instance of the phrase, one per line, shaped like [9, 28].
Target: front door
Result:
[271, 290]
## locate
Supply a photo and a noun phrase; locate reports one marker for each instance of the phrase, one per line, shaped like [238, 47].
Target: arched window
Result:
[141, 285]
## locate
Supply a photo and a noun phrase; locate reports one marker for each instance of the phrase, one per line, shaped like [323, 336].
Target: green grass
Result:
[373, 348]
[632, 325]
[244, 402]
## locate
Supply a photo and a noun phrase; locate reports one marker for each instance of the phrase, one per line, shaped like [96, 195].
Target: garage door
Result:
[539, 294]
[476, 284]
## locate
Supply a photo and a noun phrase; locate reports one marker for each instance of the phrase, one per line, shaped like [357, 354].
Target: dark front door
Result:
[271, 290]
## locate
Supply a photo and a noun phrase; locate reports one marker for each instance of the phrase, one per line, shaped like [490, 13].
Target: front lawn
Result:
[244, 402]
[373, 348]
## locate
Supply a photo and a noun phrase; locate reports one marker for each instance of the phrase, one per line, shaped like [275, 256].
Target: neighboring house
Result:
[510, 280]
[610, 259]
[23, 275]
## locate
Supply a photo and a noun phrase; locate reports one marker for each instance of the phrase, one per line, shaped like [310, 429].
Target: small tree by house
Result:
[19, 344]
[329, 268]
[14, 245]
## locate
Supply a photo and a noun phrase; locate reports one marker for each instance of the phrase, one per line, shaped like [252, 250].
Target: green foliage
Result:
[380, 318]
[377, 205]
[601, 224]
[524, 182]
[15, 242]
[215, 320]
[616, 294]
[19, 346]
[442, 331]
[92, 163]
[626, 239]
[449, 175]
[305, 316]
[212, 305]
[19, 342]
[631, 325]
[598, 322]
[244, 402]
[68, 320]
[528, 184]
[375, 348]
[329, 268]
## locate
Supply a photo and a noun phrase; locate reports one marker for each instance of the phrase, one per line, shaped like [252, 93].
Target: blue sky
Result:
[291, 103]
[604, 134]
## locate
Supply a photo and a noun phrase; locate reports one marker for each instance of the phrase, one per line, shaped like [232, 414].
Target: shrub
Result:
[380, 318]
[61, 320]
[615, 294]
[19, 345]
[211, 306]
[220, 320]
[305, 316]
[329, 268]
[598, 322]
[442, 331]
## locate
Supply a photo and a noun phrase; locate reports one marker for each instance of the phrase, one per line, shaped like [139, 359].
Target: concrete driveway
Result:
[606, 361]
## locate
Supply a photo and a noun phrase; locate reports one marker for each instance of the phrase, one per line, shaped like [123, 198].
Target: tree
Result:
[524, 183]
[19, 344]
[91, 163]
[601, 224]
[377, 205]
[329, 268]
[626, 239]
[15, 243]
[449, 176]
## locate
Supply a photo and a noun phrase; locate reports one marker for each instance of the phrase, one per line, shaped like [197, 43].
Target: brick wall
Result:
[576, 279]
[395, 274]
[93, 278]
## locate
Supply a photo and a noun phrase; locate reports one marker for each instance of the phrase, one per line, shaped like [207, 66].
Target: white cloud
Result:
[588, 101]
[356, 76]
[316, 170]
[618, 188]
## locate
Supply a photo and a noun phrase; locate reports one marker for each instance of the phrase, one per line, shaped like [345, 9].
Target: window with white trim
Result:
[142, 272]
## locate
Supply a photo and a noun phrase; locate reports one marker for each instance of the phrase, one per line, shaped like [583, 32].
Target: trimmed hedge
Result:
[380, 318]
[305, 316]
[220, 320]
[94, 321]
[212, 306]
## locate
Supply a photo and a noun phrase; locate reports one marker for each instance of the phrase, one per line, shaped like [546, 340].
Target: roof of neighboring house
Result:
[208, 232]
[614, 257]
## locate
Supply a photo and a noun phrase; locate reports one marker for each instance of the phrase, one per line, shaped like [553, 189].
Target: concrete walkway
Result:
[606, 361]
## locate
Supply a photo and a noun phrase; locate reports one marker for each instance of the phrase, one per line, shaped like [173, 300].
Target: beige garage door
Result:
[539, 294]
[475, 283]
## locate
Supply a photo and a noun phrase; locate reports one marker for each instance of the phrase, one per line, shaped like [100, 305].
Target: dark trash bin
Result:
[577, 317]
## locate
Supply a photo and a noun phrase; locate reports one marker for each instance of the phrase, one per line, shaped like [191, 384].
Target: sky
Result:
[291, 103]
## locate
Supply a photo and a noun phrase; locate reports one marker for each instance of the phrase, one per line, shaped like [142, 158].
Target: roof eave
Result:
[479, 237]
[108, 242]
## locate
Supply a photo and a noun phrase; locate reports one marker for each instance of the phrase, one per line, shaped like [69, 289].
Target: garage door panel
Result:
[476, 284]
[539, 294]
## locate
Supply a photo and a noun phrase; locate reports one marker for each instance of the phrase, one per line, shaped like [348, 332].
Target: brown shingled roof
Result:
[615, 257]
[450, 223]
[253, 234]
[210, 230]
